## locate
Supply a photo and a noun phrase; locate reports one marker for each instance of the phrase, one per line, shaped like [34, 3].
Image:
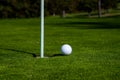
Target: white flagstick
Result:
[42, 29]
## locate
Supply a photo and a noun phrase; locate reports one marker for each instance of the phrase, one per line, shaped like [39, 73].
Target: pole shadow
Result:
[33, 54]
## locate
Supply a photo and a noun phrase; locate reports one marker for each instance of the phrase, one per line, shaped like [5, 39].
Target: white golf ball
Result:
[66, 49]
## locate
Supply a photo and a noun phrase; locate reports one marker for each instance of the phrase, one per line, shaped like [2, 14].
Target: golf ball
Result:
[66, 49]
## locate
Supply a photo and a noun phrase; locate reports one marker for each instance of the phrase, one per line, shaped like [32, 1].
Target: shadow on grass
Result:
[88, 24]
[108, 22]
[95, 25]
[57, 55]
[33, 54]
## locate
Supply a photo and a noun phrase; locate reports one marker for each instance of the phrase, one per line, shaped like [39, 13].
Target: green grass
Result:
[95, 43]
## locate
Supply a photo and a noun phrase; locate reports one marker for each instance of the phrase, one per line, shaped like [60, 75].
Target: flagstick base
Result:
[42, 57]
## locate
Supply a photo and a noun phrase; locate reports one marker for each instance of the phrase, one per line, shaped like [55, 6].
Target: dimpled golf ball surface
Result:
[66, 49]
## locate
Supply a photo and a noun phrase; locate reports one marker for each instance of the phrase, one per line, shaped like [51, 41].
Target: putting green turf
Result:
[95, 43]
